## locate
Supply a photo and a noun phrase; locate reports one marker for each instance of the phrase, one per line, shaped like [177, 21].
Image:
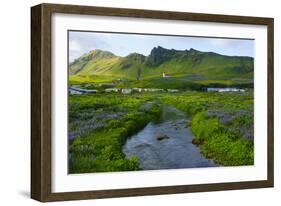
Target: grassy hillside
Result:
[103, 66]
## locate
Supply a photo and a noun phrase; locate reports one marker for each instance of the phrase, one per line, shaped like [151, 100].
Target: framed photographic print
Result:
[130, 102]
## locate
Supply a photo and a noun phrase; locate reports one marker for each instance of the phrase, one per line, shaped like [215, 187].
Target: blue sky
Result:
[124, 44]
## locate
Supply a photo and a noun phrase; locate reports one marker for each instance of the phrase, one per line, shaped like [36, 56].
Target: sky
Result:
[124, 44]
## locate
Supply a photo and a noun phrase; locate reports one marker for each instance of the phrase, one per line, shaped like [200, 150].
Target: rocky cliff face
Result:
[159, 54]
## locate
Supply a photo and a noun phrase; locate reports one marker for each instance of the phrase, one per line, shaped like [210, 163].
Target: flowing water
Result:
[166, 144]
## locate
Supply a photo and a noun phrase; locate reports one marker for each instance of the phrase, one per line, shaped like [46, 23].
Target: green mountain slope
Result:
[100, 65]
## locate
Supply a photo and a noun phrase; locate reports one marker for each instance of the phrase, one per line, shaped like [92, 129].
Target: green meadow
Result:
[222, 124]
[100, 123]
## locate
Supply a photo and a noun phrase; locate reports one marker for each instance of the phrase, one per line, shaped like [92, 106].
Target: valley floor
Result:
[100, 125]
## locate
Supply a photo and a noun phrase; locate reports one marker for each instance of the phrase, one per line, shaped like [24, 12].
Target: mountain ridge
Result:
[175, 62]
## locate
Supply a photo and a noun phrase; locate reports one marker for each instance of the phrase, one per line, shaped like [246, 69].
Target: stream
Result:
[166, 144]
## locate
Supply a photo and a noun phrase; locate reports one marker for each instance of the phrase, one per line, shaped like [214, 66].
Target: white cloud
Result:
[74, 46]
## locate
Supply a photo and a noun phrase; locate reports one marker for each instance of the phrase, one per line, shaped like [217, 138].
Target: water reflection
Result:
[166, 144]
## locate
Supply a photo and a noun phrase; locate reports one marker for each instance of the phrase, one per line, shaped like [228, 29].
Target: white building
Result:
[77, 90]
[155, 90]
[172, 90]
[225, 90]
[112, 90]
[213, 89]
[165, 75]
[137, 89]
[126, 91]
[73, 91]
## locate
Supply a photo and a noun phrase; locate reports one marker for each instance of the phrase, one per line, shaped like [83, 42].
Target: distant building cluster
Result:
[129, 90]
[225, 90]
[76, 90]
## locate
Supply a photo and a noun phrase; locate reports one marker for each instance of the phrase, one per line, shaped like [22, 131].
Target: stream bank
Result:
[166, 143]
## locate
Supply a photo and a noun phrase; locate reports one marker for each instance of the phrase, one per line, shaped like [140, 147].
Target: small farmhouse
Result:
[74, 91]
[137, 89]
[155, 90]
[165, 75]
[126, 91]
[172, 90]
[112, 90]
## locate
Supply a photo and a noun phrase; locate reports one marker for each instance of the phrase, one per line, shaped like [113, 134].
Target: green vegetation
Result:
[222, 124]
[100, 125]
[188, 66]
